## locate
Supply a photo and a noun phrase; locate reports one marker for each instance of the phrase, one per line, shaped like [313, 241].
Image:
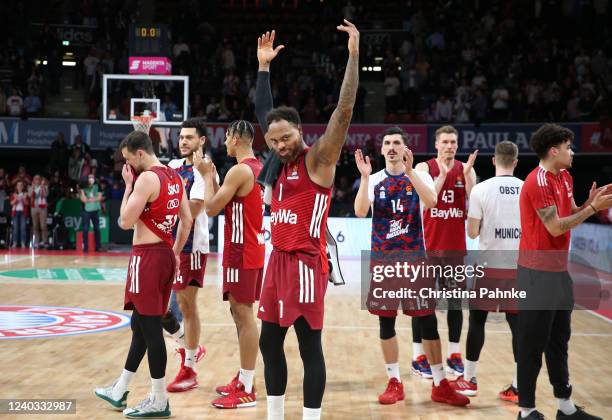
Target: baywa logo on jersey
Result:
[395, 229]
[49, 321]
[283, 216]
[453, 213]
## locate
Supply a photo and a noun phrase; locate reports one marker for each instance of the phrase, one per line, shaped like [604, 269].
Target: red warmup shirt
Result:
[544, 189]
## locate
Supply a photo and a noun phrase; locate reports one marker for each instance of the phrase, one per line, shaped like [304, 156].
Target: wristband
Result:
[593, 207]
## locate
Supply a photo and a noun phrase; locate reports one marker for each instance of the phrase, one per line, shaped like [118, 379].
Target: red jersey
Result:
[244, 232]
[299, 211]
[161, 215]
[445, 223]
[544, 189]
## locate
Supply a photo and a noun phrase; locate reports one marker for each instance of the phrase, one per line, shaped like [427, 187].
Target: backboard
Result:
[125, 96]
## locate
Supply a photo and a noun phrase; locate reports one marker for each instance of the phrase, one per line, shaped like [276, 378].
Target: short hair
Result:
[242, 129]
[506, 153]
[286, 113]
[198, 124]
[137, 140]
[395, 130]
[547, 136]
[446, 129]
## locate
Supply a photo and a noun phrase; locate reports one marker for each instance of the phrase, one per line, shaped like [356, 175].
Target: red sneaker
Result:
[226, 389]
[445, 394]
[200, 353]
[393, 393]
[237, 398]
[185, 380]
[467, 388]
[509, 393]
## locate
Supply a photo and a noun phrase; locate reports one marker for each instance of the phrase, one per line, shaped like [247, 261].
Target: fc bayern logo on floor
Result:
[51, 321]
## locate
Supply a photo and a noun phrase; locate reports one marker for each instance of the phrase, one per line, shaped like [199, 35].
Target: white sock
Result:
[515, 379]
[437, 371]
[417, 350]
[470, 370]
[190, 358]
[453, 348]
[122, 384]
[246, 378]
[179, 336]
[566, 406]
[393, 371]
[158, 389]
[276, 407]
[311, 413]
[526, 411]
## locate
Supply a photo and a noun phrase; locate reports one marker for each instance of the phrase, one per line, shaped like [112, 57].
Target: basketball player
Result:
[241, 198]
[548, 213]
[190, 278]
[149, 204]
[397, 195]
[494, 217]
[445, 233]
[296, 278]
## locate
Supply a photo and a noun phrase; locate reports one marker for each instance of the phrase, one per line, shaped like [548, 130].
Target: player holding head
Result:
[241, 198]
[494, 218]
[397, 195]
[190, 278]
[153, 200]
[296, 278]
[445, 232]
[548, 213]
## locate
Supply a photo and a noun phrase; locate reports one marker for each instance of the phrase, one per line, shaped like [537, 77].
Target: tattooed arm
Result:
[558, 226]
[322, 157]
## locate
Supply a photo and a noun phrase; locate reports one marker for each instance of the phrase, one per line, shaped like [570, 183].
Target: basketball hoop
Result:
[142, 122]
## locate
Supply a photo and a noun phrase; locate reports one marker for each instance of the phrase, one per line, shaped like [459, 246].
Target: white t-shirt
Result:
[194, 186]
[495, 202]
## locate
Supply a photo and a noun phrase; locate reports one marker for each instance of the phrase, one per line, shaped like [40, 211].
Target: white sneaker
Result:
[149, 408]
[118, 402]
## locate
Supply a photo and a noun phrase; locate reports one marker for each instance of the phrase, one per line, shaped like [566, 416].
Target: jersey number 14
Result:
[397, 205]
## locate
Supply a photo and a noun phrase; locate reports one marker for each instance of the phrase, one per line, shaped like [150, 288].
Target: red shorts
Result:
[242, 283]
[449, 263]
[151, 271]
[416, 306]
[191, 270]
[495, 280]
[294, 286]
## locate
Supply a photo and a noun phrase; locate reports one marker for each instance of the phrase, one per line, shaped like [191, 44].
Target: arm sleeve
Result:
[263, 99]
[197, 189]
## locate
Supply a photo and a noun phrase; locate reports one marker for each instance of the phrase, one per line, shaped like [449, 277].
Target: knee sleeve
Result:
[271, 341]
[156, 347]
[416, 330]
[311, 352]
[387, 327]
[429, 327]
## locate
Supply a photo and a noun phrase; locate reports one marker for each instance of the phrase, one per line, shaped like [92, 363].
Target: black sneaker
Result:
[580, 414]
[534, 415]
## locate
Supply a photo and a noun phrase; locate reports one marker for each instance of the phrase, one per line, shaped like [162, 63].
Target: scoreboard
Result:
[149, 40]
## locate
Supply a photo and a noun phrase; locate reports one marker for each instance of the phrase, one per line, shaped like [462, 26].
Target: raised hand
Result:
[408, 160]
[353, 33]
[265, 49]
[470, 163]
[202, 163]
[602, 201]
[128, 175]
[443, 167]
[363, 165]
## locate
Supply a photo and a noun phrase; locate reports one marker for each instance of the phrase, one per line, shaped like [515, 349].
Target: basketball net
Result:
[142, 122]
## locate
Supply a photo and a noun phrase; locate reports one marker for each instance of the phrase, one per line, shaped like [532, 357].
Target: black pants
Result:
[93, 216]
[545, 331]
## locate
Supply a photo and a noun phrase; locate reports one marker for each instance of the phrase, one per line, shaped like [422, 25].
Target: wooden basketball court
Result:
[71, 366]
